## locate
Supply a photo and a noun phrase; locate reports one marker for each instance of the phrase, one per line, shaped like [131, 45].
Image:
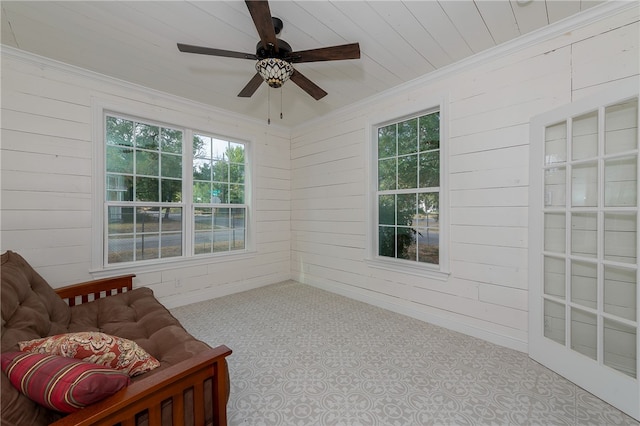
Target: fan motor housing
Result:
[283, 50]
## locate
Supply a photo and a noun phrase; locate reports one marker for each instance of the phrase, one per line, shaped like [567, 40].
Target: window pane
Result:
[201, 169]
[201, 146]
[219, 149]
[203, 242]
[386, 241]
[585, 136]
[171, 219]
[584, 234]
[620, 292]
[584, 336]
[387, 174]
[119, 159]
[408, 172]
[120, 220]
[405, 243]
[147, 189]
[219, 193]
[203, 219]
[238, 225]
[621, 127]
[147, 136]
[387, 141]
[620, 351]
[555, 187]
[584, 182]
[620, 237]
[202, 192]
[620, 182]
[220, 171]
[171, 244]
[171, 165]
[147, 247]
[236, 194]
[406, 209]
[554, 277]
[428, 242]
[119, 131]
[429, 132]
[120, 248]
[171, 190]
[554, 232]
[235, 153]
[147, 163]
[236, 173]
[555, 143]
[147, 219]
[429, 169]
[387, 209]
[584, 284]
[408, 137]
[172, 141]
[119, 188]
[554, 321]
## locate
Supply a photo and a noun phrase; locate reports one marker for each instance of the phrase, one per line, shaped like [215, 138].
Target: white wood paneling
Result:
[47, 173]
[490, 105]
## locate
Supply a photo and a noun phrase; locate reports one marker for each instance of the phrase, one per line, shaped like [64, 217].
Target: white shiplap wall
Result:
[489, 105]
[47, 154]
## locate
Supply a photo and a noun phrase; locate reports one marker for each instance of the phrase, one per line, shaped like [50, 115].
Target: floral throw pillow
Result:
[98, 348]
[59, 383]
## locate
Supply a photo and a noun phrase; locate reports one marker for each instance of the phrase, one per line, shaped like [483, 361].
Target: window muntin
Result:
[408, 189]
[218, 195]
[145, 189]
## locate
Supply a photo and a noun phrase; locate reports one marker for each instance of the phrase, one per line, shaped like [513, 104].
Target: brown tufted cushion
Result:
[30, 309]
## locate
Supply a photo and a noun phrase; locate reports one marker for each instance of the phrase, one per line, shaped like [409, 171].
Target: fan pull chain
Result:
[268, 106]
[280, 102]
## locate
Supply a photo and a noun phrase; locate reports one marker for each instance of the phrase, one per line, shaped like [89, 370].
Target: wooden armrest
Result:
[149, 393]
[98, 288]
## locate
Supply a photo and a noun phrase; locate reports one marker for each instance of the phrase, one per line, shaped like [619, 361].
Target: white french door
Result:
[583, 251]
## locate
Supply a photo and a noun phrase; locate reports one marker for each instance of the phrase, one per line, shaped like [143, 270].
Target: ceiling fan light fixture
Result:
[274, 71]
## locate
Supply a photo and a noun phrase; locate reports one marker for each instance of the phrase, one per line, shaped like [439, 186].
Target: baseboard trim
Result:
[178, 300]
[448, 323]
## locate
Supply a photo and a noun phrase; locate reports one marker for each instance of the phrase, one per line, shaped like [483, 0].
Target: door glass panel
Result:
[555, 143]
[555, 186]
[620, 182]
[585, 136]
[584, 283]
[584, 185]
[620, 350]
[554, 277]
[620, 237]
[554, 232]
[621, 127]
[584, 337]
[620, 292]
[584, 235]
[554, 321]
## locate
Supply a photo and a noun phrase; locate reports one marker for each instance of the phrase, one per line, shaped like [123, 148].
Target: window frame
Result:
[189, 127]
[409, 110]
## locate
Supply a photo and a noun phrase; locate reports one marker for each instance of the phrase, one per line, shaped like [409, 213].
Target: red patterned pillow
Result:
[98, 348]
[62, 384]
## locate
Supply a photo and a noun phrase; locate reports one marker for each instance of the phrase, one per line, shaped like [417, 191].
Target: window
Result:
[408, 190]
[149, 197]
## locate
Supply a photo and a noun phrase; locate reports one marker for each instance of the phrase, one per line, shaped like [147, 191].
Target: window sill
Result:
[156, 266]
[408, 268]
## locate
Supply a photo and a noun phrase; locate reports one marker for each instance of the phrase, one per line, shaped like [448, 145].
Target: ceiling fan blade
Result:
[251, 86]
[333, 53]
[187, 48]
[261, 15]
[307, 85]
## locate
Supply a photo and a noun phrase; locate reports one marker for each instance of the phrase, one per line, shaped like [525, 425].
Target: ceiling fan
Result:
[275, 56]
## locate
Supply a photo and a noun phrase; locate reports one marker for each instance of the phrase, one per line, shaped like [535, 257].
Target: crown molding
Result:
[572, 23]
[44, 62]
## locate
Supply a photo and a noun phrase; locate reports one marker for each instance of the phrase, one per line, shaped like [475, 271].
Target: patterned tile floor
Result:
[304, 356]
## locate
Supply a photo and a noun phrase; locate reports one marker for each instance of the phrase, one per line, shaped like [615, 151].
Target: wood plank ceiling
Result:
[136, 41]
